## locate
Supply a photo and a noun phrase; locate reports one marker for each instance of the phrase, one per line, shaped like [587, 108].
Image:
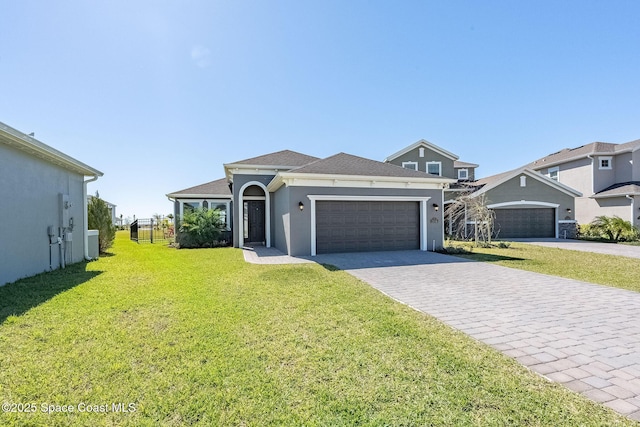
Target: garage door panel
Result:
[358, 226]
[525, 222]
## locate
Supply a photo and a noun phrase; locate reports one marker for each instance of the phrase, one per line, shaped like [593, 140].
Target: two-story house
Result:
[525, 203]
[607, 175]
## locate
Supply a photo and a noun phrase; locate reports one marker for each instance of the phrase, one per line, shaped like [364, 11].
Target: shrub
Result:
[100, 219]
[610, 228]
[200, 228]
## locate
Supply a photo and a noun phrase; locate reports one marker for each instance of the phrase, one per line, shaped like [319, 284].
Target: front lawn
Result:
[200, 337]
[610, 270]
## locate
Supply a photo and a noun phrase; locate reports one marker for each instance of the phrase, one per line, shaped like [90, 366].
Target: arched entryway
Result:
[254, 205]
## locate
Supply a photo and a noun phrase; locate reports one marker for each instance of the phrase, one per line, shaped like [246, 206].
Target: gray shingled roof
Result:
[347, 164]
[582, 151]
[620, 189]
[217, 187]
[279, 158]
[461, 164]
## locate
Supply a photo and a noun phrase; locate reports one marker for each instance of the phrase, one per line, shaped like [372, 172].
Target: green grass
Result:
[201, 337]
[609, 270]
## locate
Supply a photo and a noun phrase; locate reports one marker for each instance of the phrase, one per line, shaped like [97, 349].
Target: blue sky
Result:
[159, 94]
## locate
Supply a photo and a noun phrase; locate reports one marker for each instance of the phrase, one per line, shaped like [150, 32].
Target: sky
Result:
[158, 94]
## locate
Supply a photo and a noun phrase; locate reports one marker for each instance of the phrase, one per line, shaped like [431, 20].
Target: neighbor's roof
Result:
[279, 158]
[217, 188]
[485, 184]
[422, 143]
[16, 139]
[621, 189]
[347, 164]
[595, 148]
[461, 164]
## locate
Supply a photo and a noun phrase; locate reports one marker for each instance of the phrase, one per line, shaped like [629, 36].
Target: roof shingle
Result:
[348, 164]
[279, 158]
[219, 187]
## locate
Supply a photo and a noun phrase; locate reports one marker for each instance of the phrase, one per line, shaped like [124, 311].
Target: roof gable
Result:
[219, 188]
[348, 164]
[279, 158]
[485, 184]
[426, 144]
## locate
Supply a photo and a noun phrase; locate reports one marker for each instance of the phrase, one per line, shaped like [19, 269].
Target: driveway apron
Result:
[582, 335]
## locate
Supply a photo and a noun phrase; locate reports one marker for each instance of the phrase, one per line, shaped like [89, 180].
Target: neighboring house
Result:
[607, 175]
[112, 211]
[527, 204]
[427, 157]
[304, 205]
[43, 209]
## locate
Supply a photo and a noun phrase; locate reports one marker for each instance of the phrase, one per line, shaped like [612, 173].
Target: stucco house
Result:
[607, 175]
[304, 205]
[526, 204]
[44, 208]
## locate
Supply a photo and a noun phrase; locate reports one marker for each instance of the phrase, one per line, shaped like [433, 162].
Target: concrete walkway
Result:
[586, 246]
[259, 254]
[582, 335]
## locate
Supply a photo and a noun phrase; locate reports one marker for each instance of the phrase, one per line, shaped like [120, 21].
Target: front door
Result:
[254, 211]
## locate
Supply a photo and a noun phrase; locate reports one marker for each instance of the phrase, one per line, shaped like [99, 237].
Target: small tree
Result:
[467, 208]
[100, 219]
[200, 228]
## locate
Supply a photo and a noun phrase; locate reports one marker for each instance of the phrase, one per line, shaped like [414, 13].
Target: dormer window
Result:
[463, 174]
[434, 168]
[410, 165]
[604, 162]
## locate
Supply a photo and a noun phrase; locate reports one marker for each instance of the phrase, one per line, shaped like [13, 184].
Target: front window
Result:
[189, 206]
[434, 168]
[410, 165]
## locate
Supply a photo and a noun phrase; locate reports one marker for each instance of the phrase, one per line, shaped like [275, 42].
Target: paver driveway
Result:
[582, 335]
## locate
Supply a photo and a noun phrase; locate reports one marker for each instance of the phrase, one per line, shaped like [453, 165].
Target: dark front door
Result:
[254, 211]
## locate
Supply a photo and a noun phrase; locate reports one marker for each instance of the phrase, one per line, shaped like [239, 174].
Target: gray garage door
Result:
[347, 226]
[525, 223]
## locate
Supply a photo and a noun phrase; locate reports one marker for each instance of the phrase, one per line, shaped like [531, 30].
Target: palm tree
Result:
[614, 228]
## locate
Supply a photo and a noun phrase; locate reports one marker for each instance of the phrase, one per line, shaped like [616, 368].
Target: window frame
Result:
[608, 159]
[434, 163]
[405, 164]
[466, 172]
[555, 169]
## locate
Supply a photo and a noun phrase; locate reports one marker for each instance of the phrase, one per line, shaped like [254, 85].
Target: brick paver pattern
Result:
[582, 335]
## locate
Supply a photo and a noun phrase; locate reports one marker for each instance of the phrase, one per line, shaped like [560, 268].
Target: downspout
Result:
[592, 171]
[85, 230]
[632, 207]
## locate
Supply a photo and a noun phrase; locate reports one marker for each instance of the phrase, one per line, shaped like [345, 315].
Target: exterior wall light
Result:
[301, 206]
[569, 210]
[436, 207]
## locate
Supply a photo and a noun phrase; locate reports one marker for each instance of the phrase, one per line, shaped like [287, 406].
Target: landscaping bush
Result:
[99, 218]
[609, 228]
[201, 228]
